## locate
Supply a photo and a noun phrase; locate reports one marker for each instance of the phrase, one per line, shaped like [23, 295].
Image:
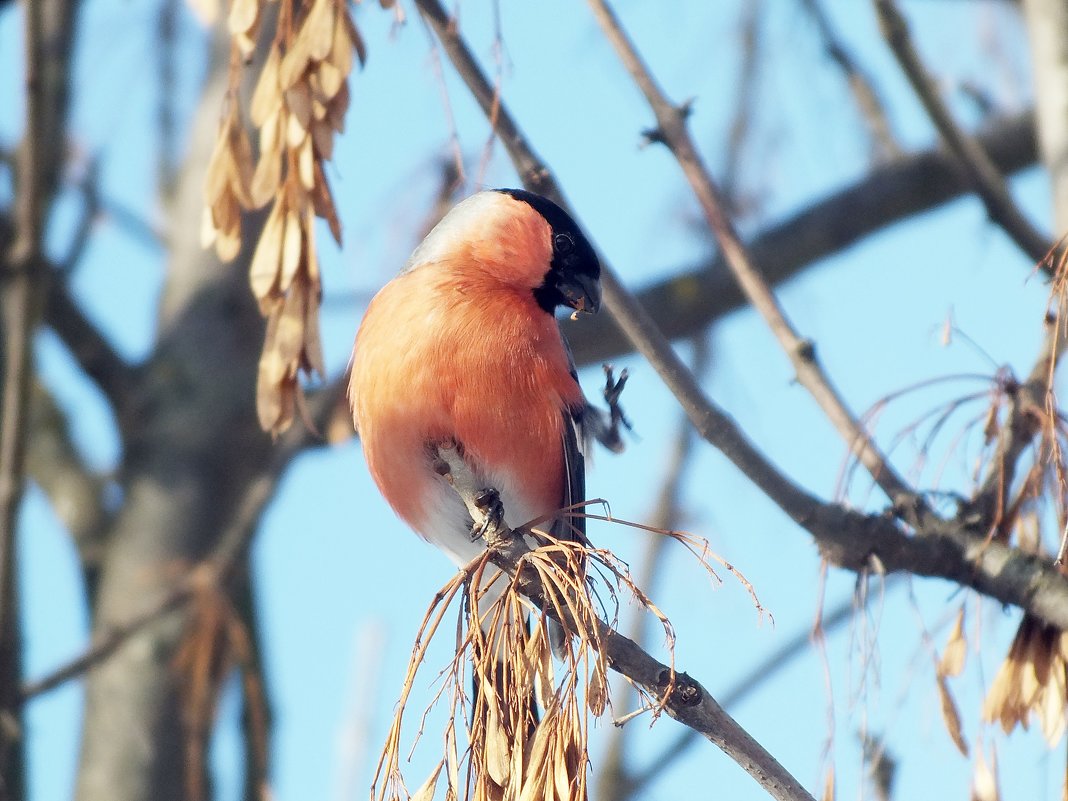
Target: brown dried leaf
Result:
[991, 426]
[268, 378]
[319, 28]
[268, 176]
[561, 775]
[951, 716]
[1054, 704]
[295, 131]
[496, 747]
[207, 228]
[597, 691]
[263, 271]
[289, 338]
[534, 781]
[217, 177]
[323, 202]
[985, 782]
[267, 95]
[306, 164]
[292, 247]
[451, 758]
[953, 657]
[241, 165]
[243, 14]
[228, 244]
[322, 136]
[246, 42]
[330, 80]
[338, 107]
[299, 101]
[294, 63]
[427, 788]
[313, 346]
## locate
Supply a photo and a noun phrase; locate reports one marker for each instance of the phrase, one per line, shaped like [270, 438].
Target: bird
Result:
[463, 347]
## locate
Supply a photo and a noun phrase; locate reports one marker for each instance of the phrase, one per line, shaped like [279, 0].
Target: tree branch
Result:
[96, 356]
[683, 698]
[74, 490]
[47, 37]
[696, 296]
[871, 107]
[672, 132]
[949, 549]
[981, 171]
[756, 677]
[218, 568]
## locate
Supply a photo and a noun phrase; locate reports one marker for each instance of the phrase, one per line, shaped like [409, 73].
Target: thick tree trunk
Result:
[194, 447]
[1047, 25]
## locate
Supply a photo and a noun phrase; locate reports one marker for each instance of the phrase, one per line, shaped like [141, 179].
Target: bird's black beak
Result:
[581, 292]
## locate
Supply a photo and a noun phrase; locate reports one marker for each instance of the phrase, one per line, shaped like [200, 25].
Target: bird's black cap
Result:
[574, 272]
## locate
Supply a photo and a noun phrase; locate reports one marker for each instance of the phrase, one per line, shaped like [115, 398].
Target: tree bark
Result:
[192, 449]
[1047, 26]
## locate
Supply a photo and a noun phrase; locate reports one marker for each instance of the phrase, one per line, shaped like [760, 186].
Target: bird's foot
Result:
[609, 435]
[488, 501]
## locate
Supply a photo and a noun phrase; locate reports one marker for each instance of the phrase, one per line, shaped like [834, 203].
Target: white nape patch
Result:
[461, 224]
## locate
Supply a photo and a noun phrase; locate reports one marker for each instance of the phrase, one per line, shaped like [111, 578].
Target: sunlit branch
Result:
[984, 175]
[672, 131]
[948, 549]
[682, 697]
[217, 568]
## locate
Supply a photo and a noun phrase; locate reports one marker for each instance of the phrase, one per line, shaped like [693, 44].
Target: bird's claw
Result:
[613, 389]
[488, 501]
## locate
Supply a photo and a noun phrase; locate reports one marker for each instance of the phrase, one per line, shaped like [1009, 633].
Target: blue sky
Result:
[343, 585]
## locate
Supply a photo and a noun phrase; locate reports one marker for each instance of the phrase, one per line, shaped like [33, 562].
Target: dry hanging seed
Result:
[298, 105]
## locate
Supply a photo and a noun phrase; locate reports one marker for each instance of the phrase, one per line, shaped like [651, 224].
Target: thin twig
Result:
[755, 678]
[615, 780]
[1030, 397]
[872, 109]
[984, 175]
[672, 132]
[47, 38]
[216, 569]
[96, 356]
[694, 297]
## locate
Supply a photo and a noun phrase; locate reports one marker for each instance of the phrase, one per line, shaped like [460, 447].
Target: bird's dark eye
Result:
[563, 244]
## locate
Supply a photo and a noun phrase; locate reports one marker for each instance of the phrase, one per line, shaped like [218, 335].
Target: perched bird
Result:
[463, 347]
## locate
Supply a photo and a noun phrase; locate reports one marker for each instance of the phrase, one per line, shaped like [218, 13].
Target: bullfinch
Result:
[463, 347]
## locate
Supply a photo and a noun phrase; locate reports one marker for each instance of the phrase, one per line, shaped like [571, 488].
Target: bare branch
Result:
[1047, 26]
[871, 107]
[694, 297]
[980, 170]
[615, 781]
[683, 698]
[47, 39]
[756, 677]
[950, 549]
[74, 490]
[218, 568]
[100, 361]
[672, 131]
